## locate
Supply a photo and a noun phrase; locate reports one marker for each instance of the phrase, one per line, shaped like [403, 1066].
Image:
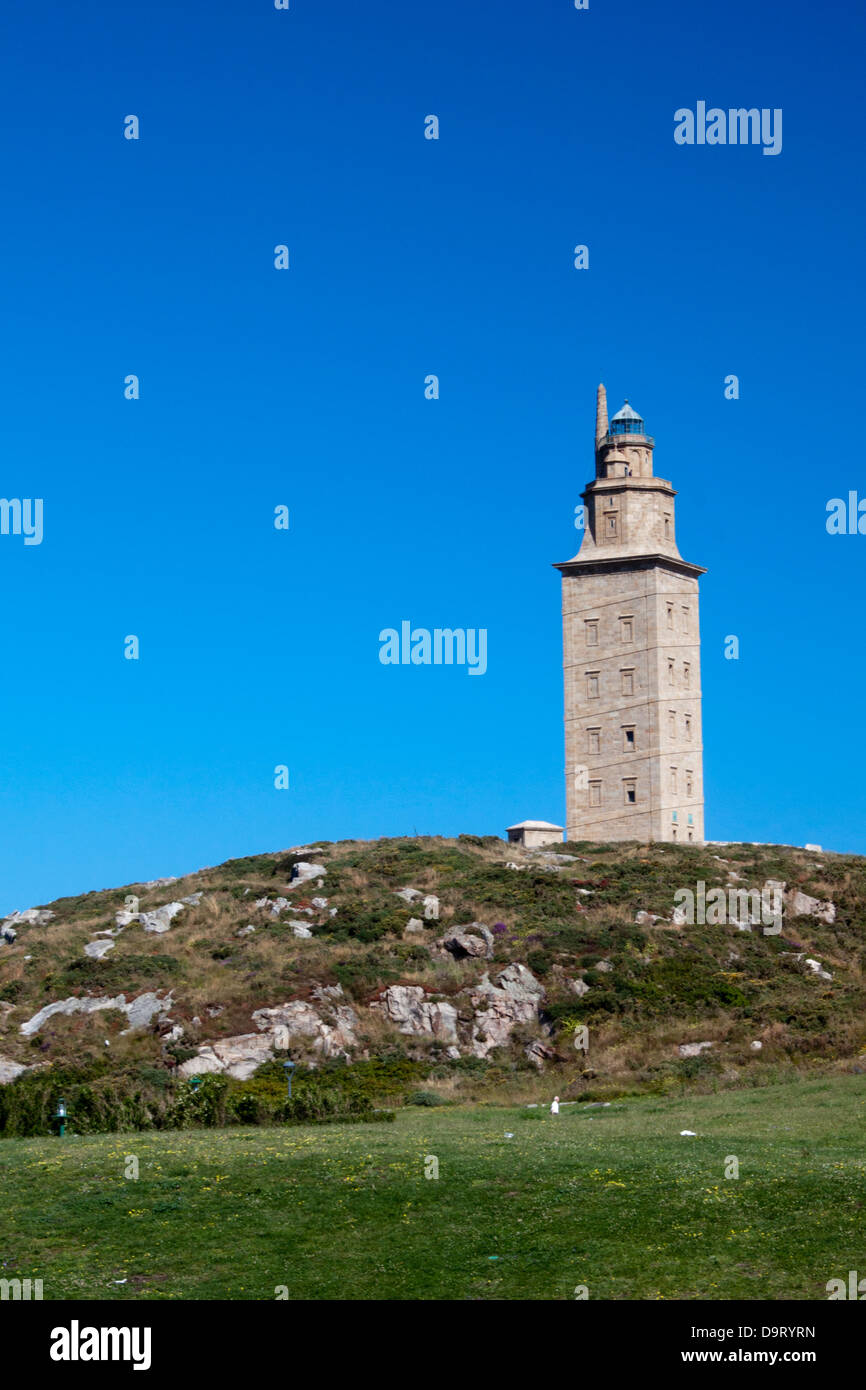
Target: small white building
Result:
[534, 833]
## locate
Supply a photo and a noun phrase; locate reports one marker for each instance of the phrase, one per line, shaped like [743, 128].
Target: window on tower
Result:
[673, 779]
[629, 791]
[626, 629]
[591, 630]
[689, 783]
[592, 685]
[593, 740]
[627, 681]
[595, 793]
[670, 608]
[688, 720]
[668, 527]
[628, 743]
[687, 674]
[670, 672]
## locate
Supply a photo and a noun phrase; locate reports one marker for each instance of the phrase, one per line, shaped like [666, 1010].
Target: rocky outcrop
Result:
[238, 1057]
[303, 873]
[499, 1008]
[429, 901]
[801, 905]
[817, 969]
[328, 1030]
[693, 1049]
[273, 905]
[158, 920]
[30, 917]
[539, 1052]
[409, 1008]
[140, 1011]
[97, 949]
[474, 940]
[9, 1070]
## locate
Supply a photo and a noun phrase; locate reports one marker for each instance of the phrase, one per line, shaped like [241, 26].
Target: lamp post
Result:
[60, 1116]
[289, 1068]
[195, 1082]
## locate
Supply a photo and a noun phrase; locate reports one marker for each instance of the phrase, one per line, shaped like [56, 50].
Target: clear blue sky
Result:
[306, 388]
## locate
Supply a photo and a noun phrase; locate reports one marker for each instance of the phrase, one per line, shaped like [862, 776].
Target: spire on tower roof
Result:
[600, 414]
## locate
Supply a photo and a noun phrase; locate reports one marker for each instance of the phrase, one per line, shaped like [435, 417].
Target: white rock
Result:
[238, 1057]
[756, 1045]
[519, 981]
[498, 1010]
[31, 917]
[245, 931]
[139, 1011]
[298, 929]
[161, 918]
[803, 906]
[302, 872]
[409, 1007]
[415, 925]
[816, 849]
[9, 1070]
[276, 905]
[690, 1132]
[408, 894]
[693, 1049]
[97, 949]
[431, 908]
[298, 1019]
[320, 903]
[817, 968]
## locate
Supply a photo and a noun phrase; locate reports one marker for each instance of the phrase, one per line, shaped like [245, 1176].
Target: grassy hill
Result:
[568, 917]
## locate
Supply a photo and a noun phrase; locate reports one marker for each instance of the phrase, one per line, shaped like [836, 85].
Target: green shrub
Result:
[429, 1098]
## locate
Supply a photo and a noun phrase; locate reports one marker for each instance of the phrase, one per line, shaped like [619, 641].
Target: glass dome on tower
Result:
[627, 421]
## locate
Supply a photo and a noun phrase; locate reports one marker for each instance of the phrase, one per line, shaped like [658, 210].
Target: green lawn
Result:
[614, 1199]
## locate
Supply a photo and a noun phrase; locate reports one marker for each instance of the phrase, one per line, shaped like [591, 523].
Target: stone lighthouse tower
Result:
[631, 653]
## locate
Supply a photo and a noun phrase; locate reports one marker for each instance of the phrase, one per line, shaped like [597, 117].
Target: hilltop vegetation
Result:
[565, 921]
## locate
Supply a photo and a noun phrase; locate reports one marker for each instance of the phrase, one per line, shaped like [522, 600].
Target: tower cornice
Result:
[601, 564]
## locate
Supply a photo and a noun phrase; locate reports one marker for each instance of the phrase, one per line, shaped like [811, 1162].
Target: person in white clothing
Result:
[554, 1108]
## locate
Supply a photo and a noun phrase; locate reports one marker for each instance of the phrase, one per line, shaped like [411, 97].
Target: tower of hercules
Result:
[631, 653]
